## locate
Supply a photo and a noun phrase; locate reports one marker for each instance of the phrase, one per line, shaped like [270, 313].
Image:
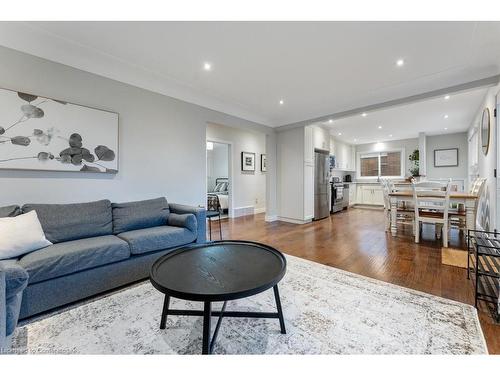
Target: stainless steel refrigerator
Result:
[321, 184]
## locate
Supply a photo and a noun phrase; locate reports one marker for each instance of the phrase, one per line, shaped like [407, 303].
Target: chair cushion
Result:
[69, 257]
[67, 222]
[141, 214]
[16, 277]
[10, 211]
[157, 238]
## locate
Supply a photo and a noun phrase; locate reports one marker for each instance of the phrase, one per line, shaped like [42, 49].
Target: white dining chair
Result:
[457, 216]
[432, 203]
[403, 215]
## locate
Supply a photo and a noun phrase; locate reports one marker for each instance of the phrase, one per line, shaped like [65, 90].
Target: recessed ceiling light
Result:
[445, 116]
[390, 135]
[400, 62]
[330, 121]
[380, 126]
[364, 114]
[282, 102]
[207, 66]
[340, 133]
[445, 128]
[446, 97]
[355, 140]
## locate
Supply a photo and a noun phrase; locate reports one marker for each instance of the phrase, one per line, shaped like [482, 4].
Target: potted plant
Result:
[415, 158]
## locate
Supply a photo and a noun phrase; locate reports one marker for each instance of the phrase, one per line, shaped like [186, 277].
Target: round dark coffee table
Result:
[219, 271]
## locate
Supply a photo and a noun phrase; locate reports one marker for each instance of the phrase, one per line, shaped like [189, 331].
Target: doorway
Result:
[219, 184]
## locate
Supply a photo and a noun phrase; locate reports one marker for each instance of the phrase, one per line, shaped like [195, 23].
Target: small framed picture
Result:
[248, 161]
[447, 157]
[263, 163]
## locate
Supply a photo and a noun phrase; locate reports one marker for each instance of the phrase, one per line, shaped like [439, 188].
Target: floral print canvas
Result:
[38, 133]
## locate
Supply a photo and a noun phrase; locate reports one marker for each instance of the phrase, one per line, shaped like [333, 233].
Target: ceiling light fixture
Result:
[364, 114]
[380, 126]
[445, 116]
[355, 140]
[340, 133]
[445, 128]
[400, 62]
[446, 97]
[282, 102]
[390, 135]
[207, 66]
[330, 121]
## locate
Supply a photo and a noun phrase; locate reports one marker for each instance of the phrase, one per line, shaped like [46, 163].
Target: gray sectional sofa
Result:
[97, 246]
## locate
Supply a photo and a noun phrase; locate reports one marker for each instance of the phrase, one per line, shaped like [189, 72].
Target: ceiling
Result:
[316, 68]
[406, 121]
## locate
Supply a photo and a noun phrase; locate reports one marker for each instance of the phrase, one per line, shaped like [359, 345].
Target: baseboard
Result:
[271, 218]
[294, 221]
[259, 210]
[243, 211]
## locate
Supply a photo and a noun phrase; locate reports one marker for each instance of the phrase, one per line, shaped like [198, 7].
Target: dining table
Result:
[467, 200]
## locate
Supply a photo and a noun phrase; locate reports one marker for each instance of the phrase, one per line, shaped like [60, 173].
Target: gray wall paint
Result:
[249, 188]
[161, 142]
[436, 142]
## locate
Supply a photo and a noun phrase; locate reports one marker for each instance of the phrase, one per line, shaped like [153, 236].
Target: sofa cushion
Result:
[16, 277]
[10, 211]
[140, 214]
[66, 222]
[69, 257]
[157, 238]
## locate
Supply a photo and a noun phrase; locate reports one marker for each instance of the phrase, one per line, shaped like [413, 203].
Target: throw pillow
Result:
[20, 235]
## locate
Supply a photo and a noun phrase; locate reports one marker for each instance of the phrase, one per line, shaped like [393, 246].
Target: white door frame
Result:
[230, 145]
[497, 158]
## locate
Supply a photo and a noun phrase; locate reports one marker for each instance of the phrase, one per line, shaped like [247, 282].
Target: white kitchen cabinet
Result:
[344, 155]
[370, 194]
[352, 194]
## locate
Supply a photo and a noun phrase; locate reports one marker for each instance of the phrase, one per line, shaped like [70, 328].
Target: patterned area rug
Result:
[327, 311]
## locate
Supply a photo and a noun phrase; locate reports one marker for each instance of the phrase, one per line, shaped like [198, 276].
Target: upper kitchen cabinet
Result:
[321, 137]
[345, 155]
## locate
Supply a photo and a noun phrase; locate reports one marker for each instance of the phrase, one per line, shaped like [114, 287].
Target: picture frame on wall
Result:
[446, 157]
[248, 161]
[263, 163]
[45, 134]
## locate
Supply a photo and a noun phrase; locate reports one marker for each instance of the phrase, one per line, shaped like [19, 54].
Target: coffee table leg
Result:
[164, 313]
[207, 312]
[280, 310]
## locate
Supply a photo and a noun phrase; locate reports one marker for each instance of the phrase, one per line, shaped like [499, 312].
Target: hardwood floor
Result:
[356, 241]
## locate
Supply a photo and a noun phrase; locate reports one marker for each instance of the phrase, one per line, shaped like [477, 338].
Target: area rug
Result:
[454, 257]
[327, 311]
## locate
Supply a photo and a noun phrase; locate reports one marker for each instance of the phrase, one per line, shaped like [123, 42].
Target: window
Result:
[381, 164]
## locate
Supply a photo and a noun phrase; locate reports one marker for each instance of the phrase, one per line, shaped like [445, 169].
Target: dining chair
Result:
[457, 216]
[432, 203]
[403, 215]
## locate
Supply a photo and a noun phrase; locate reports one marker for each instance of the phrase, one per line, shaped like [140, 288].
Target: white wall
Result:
[249, 188]
[290, 187]
[408, 145]
[162, 149]
[455, 140]
[486, 164]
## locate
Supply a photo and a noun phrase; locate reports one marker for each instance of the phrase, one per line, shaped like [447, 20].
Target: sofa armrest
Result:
[200, 215]
[183, 220]
[13, 281]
